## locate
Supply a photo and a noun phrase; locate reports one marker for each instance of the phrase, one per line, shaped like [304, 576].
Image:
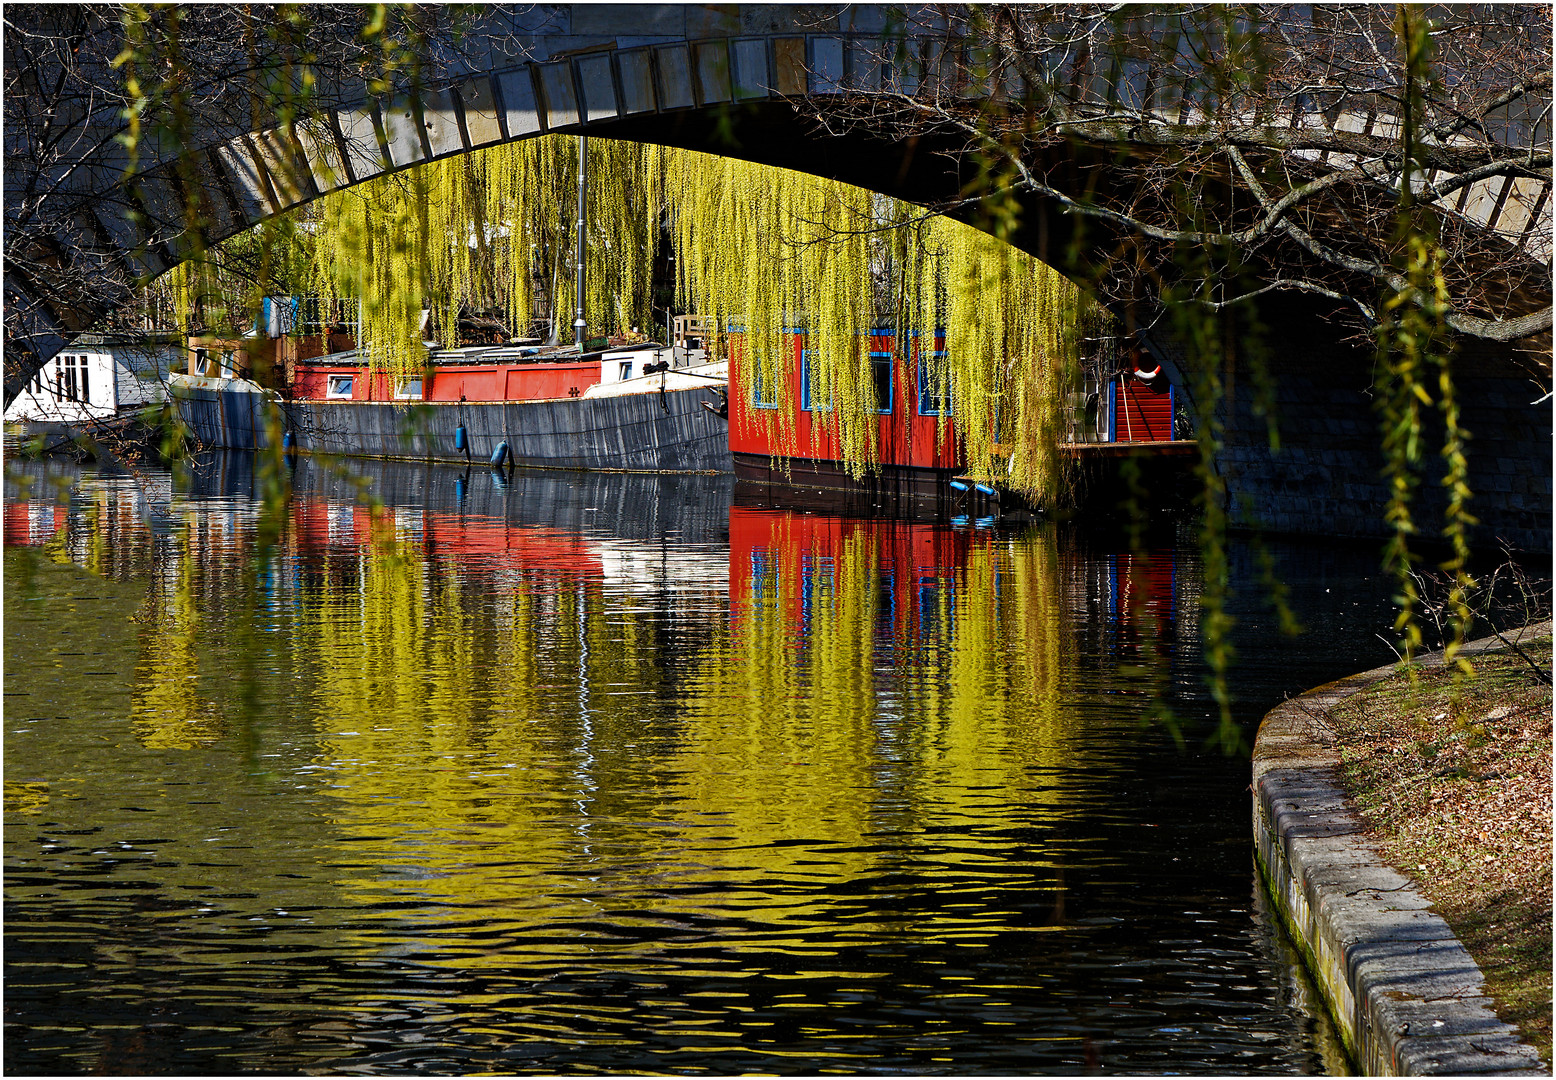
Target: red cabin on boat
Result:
[1140, 408]
[492, 375]
[914, 454]
[1131, 410]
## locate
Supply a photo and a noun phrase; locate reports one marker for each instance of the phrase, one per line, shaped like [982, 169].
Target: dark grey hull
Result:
[820, 484]
[631, 433]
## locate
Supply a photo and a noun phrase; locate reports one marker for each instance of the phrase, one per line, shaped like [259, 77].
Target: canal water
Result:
[434, 772]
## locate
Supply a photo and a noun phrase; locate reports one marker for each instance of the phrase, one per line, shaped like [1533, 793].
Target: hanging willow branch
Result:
[1286, 119]
[779, 252]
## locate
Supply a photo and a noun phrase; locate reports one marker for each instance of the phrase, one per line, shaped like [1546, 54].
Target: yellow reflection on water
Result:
[517, 743]
[167, 710]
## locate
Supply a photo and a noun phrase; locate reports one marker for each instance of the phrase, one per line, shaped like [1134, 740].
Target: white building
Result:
[95, 379]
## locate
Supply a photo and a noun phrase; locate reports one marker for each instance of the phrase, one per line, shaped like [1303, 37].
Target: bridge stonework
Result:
[668, 73]
[1327, 477]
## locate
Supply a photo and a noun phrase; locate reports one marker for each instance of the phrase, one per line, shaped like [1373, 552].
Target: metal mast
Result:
[580, 326]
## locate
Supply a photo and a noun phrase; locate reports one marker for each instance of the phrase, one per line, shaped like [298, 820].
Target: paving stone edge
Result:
[1406, 997]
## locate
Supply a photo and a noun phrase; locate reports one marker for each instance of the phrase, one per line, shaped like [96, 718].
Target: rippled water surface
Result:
[578, 773]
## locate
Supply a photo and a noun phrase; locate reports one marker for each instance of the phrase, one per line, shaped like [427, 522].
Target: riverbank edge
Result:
[1406, 997]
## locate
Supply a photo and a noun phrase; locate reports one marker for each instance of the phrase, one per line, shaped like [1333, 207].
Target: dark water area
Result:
[573, 773]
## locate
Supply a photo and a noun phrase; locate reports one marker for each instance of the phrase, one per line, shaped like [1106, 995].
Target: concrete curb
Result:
[1407, 999]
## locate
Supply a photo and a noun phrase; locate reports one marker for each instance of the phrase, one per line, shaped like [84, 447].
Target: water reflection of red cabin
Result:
[1140, 596]
[787, 558]
[321, 526]
[911, 446]
[791, 560]
[33, 524]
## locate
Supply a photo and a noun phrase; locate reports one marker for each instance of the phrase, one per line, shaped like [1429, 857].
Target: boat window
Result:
[340, 386]
[70, 378]
[86, 390]
[881, 378]
[932, 400]
[806, 403]
[763, 396]
[229, 368]
[409, 389]
[626, 370]
[202, 361]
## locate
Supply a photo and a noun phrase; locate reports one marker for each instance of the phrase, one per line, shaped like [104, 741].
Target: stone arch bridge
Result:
[758, 82]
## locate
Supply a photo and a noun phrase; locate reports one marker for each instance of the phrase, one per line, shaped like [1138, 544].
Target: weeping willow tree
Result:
[766, 251]
[220, 294]
[776, 252]
[482, 231]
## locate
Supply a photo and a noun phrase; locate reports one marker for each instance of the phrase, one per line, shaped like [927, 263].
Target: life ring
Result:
[1147, 376]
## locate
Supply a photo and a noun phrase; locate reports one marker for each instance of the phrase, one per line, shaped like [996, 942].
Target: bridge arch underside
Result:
[1325, 478]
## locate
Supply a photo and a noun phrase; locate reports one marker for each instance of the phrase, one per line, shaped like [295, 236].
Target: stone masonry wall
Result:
[1327, 478]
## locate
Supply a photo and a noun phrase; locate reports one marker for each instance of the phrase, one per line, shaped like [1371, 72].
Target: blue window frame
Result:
[762, 395]
[881, 378]
[805, 399]
[929, 403]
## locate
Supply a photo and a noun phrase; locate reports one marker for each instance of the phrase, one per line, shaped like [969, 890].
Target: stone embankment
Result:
[1406, 997]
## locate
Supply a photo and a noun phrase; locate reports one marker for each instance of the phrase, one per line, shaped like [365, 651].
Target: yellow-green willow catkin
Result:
[366, 247]
[1010, 341]
[180, 285]
[211, 291]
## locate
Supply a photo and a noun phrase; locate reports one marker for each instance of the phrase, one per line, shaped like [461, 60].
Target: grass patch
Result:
[1456, 787]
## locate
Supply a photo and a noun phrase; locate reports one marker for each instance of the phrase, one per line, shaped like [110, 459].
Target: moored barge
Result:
[639, 408]
[1126, 411]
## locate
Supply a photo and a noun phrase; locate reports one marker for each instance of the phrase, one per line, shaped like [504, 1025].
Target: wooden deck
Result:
[1157, 448]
